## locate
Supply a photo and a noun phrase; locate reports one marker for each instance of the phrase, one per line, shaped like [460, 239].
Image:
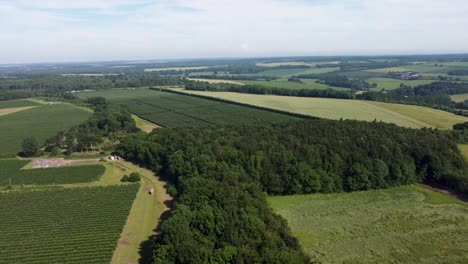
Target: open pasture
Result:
[391, 84]
[174, 110]
[17, 103]
[11, 171]
[176, 69]
[41, 122]
[402, 115]
[408, 224]
[72, 225]
[306, 84]
[118, 93]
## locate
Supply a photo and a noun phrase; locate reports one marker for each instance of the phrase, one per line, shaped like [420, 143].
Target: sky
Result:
[109, 30]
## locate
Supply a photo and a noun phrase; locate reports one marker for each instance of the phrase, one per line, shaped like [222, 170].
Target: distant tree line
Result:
[462, 72]
[30, 86]
[221, 214]
[338, 81]
[236, 77]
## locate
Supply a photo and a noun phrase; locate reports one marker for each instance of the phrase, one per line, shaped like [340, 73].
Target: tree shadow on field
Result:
[147, 247]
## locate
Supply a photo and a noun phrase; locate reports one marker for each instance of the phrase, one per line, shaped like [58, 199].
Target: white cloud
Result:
[53, 30]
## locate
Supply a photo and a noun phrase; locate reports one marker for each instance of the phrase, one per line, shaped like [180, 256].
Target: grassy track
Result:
[144, 216]
[144, 125]
[72, 225]
[400, 225]
[41, 122]
[403, 115]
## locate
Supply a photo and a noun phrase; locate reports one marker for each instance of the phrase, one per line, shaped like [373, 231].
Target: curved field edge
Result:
[405, 224]
[402, 115]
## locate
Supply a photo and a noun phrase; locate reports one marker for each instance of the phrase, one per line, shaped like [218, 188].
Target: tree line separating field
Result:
[76, 225]
[171, 109]
[10, 172]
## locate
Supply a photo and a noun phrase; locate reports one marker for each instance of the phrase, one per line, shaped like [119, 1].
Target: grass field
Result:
[391, 84]
[72, 225]
[174, 110]
[118, 93]
[144, 125]
[10, 170]
[307, 84]
[284, 63]
[409, 224]
[459, 97]
[176, 69]
[17, 103]
[41, 122]
[423, 68]
[402, 115]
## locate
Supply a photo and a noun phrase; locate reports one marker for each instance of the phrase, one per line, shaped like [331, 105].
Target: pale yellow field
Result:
[176, 69]
[459, 98]
[402, 115]
[144, 125]
[7, 111]
[216, 81]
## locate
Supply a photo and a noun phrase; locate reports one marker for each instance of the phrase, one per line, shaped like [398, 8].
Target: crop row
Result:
[10, 172]
[76, 225]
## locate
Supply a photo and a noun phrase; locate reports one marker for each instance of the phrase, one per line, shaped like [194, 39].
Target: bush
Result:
[133, 177]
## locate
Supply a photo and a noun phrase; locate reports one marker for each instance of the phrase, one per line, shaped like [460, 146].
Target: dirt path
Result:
[135, 244]
[444, 190]
[7, 111]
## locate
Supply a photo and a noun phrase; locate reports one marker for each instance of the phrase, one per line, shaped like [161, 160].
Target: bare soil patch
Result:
[8, 111]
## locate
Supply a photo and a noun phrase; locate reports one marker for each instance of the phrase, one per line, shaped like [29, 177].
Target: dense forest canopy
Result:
[220, 174]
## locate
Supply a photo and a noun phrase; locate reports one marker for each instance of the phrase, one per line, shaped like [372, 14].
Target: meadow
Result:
[11, 171]
[174, 110]
[17, 103]
[459, 97]
[307, 84]
[402, 115]
[392, 84]
[408, 224]
[42, 122]
[72, 225]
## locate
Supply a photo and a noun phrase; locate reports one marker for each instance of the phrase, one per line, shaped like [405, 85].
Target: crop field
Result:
[408, 224]
[41, 122]
[174, 110]
[118, 93]
[423, 68]
[391, 84]
[73, 225]
[10, 170]
[307, 84]
[17, 103]
[402, 115]
[216, 81]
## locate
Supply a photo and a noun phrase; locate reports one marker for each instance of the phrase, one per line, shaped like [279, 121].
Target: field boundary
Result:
[277, 111]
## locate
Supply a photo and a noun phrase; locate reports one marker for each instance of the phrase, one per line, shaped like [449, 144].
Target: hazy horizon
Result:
[53, 31]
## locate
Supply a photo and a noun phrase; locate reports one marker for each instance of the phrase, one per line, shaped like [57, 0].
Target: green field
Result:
[41, 122]
[400, 225]
[423, 68]
[73, 225]
[17, 103]
[174, 110]
[402, 115]
[10, 170]
[391, 84]
[121, 93]
[307, 84]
